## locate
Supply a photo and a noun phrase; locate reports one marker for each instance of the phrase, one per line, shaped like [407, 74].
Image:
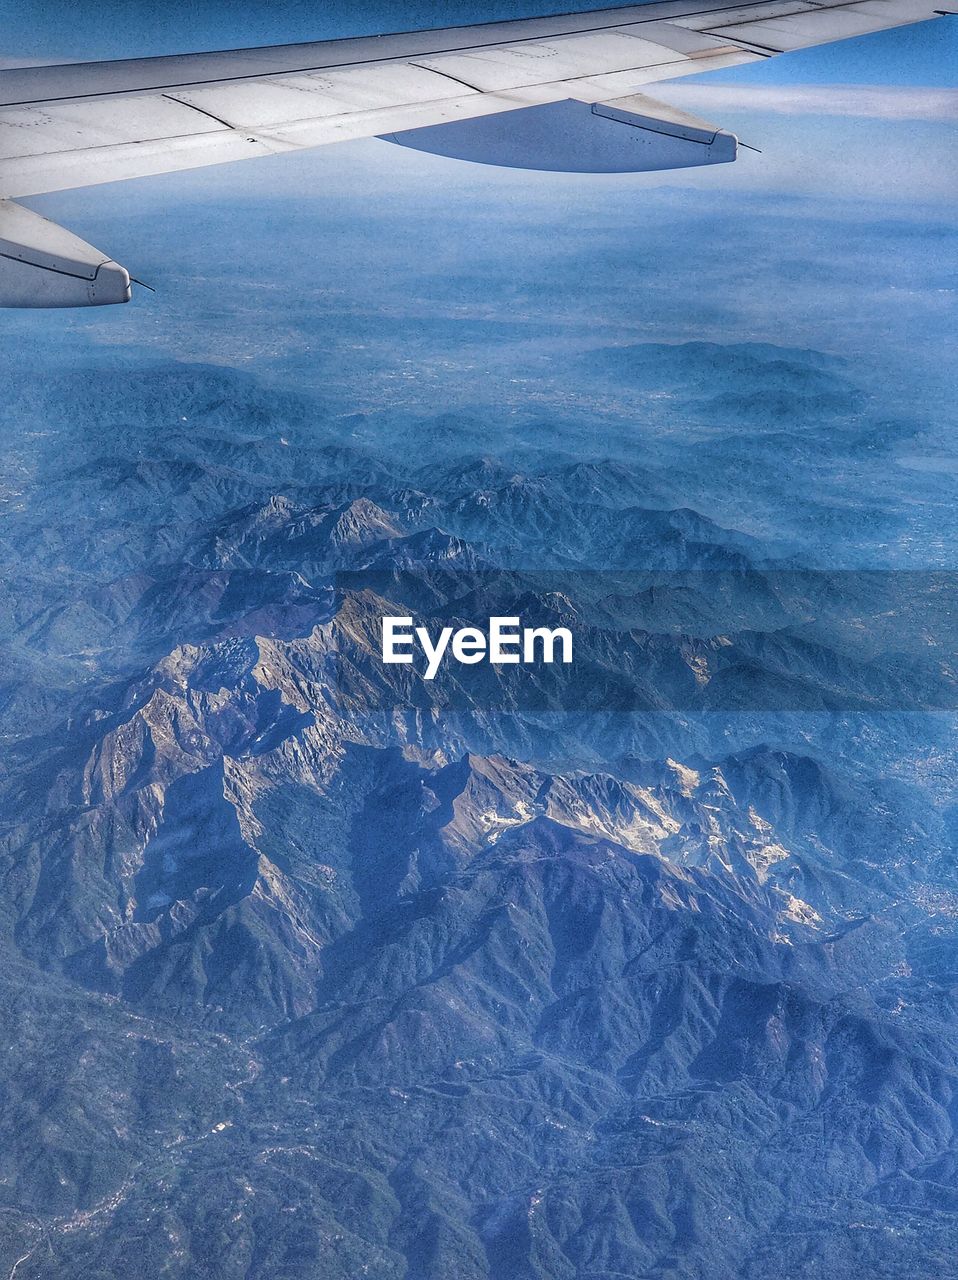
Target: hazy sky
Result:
[390, 273]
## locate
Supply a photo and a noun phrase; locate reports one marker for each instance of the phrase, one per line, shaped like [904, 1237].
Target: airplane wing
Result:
[557, 93]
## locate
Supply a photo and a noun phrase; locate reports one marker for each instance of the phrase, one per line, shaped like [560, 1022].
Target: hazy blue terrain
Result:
[313, 969]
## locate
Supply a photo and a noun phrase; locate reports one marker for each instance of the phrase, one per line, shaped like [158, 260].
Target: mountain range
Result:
[315, 968]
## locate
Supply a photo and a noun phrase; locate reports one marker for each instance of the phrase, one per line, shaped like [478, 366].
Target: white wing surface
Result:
[561, 93]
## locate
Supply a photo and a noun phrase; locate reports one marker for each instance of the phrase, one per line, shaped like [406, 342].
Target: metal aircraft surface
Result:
[561, 93]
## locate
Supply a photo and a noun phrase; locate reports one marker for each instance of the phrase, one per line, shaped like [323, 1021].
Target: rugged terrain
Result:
[315, 968]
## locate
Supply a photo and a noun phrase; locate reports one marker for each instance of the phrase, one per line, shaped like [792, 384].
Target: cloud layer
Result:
[876, 102]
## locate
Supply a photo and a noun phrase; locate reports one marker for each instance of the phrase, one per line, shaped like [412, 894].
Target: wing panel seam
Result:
[200, 110]
[446, 75]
